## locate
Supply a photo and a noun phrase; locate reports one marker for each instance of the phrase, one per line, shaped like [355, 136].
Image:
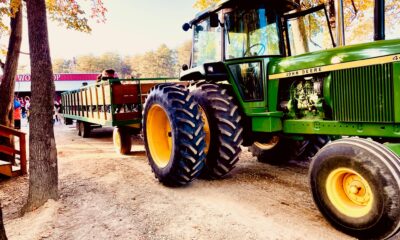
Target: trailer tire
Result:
[68, 121]
[122, 140]
[84, 129]
[173, 134]
[355, 184]
[224, 133]
[78, 127]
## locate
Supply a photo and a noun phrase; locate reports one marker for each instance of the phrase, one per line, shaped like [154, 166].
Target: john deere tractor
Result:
[267, 74]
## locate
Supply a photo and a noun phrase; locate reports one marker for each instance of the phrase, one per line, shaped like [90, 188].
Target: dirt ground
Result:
[107, 196]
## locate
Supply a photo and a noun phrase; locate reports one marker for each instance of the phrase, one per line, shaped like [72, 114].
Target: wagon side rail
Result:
[114, 102]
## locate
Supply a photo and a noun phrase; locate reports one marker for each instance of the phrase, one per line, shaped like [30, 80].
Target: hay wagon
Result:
[114, 103]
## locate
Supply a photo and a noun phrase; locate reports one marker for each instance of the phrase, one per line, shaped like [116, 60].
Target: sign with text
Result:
[62, 77]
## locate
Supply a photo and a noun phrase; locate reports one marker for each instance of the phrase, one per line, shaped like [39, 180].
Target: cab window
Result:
[206, 43]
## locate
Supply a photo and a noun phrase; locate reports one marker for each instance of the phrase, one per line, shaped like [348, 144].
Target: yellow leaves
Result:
[203, 4]
[66, 12]
[70, 13]
[3, 50]
[14, 6]
[8, 8]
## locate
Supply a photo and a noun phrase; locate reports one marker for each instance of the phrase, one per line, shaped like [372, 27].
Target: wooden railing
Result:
[8, 132]
[97, 103]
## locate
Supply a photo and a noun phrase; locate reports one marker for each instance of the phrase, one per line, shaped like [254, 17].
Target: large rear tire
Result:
[173, 134]
[355, 184]
[222, 127]
[306, 149]
[122, 140]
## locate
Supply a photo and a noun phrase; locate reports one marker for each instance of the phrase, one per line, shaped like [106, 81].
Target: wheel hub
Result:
[206, 129]
[349, 192]
[159, 135]
[356, 189]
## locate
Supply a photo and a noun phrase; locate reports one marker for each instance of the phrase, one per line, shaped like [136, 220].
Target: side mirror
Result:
[214, 20]
[185, 67]
[186, 27]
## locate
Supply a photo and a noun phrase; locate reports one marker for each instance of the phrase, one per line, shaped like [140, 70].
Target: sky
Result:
[132, 27]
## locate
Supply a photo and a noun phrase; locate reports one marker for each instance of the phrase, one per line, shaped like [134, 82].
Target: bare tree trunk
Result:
[3, 235]
[43, 173]
[8, 82]
[7, 86]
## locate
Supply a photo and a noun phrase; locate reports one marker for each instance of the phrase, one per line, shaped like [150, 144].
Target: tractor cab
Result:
[237, 39]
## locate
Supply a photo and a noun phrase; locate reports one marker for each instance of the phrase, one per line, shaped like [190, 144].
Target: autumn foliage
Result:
[70, 13]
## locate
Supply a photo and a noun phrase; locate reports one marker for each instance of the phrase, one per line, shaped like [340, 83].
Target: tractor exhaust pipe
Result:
[379, 20]
[340, 36]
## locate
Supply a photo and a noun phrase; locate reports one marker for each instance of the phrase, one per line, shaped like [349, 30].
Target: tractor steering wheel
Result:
[260, 51]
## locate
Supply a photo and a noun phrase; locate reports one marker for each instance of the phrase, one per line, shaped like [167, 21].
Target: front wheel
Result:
[173, 135]
[355, 184]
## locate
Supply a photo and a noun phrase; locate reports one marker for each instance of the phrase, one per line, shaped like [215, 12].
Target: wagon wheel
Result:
[78, 127]
[122, 140]
[84, 129]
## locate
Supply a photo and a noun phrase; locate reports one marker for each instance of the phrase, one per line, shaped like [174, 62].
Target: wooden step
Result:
[6, 168]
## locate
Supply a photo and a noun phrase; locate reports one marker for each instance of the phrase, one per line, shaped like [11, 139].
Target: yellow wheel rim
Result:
[206, 129]
[159, 135]
[269, 145]
[349, 192]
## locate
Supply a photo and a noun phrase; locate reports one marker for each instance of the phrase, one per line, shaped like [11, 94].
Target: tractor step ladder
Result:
[6, 168]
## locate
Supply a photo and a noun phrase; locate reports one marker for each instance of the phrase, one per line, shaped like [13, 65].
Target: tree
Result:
[62, 66]
[153, 64]
[3, 235]
[203, 4]
[43, 172]
[42, 149]
[43, 179]
[183, 53]
[10, 70]
[165, 62]
[8, 82]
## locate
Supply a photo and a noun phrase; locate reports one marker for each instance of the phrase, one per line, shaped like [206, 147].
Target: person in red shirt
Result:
[17, 113]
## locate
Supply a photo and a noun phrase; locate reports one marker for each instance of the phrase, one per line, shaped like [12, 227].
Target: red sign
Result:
[62, 77]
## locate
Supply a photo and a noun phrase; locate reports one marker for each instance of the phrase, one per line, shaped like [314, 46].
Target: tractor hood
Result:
[336, 58]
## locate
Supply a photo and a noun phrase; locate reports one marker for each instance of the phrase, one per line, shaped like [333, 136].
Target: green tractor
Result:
[268, 75]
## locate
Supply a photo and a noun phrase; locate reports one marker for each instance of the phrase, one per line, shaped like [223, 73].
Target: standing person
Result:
[106, 75]
[23, 110]
[27, 106]
[56, 110]
[17, 113]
